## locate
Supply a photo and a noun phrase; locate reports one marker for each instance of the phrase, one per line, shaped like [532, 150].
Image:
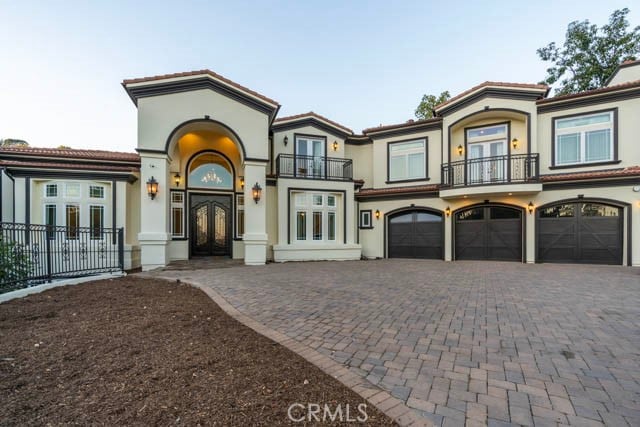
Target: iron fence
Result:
[32, 254]
[520, 168]
[314, 167]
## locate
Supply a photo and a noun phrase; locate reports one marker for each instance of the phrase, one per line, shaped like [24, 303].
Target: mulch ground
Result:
[140, 351]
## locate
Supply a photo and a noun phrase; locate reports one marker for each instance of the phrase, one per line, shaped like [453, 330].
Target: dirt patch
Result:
[140, 351]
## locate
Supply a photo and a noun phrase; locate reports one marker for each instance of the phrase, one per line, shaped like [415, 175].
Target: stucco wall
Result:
[7, 197]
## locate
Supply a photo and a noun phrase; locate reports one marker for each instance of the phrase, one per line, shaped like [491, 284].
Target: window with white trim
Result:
[51, 190]
[72, 221]
[96, 221]
[365, 219]
[407, 160]
[96, 192]
[315, 217]
[584, 139]
[177, 214]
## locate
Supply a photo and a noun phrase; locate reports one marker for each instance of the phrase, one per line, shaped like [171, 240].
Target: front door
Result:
[210, 225]
[487, 162]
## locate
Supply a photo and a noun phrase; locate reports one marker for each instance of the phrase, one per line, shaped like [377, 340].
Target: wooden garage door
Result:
[416, 234]
[580, 233]
[489, 232]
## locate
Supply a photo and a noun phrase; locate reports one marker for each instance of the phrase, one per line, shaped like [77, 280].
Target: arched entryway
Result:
[580, 231]
[415, 233]
[488, 232]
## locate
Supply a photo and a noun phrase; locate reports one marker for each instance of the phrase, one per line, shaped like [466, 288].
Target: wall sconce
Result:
[285, 140]
[152, 187]
[257, 192]
[377, 214]
[242, 182]
[514, 143]
[447, 211]
[176, 179]
[460, 150]
[530, 207]
[335, 146]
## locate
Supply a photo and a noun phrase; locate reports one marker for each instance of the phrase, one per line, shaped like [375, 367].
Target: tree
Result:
[63, 147]
[428, 103]
[590, 54]
[9, 142]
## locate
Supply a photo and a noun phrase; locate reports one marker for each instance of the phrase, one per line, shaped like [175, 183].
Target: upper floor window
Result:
[51, 190]
[585, 138]
[210, 170]
[407, 160]
[96, 192]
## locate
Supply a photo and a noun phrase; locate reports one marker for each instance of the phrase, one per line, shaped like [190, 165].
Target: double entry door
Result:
[210, 224]
[487, 162]
[309, 157]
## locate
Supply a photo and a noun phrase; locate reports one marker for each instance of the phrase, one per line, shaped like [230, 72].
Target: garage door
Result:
[489, 232]
[415, 234]
[580, 233]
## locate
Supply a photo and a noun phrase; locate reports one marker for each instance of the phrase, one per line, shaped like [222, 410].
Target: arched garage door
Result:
[580, 232]
[415, 234]
[489, 232]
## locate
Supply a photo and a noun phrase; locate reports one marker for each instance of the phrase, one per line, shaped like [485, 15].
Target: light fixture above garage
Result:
[530, 207]
[377, 214]
[447, 211]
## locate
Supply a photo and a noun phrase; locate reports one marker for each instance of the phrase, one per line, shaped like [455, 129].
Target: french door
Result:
[487, 162]
[309, 157]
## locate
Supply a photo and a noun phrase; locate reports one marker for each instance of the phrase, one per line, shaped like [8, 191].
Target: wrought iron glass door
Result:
[487, 162]
[210, 225]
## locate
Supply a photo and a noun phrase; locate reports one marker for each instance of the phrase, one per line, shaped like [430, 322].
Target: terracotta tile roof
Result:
[408, 123]
[621, 86]
[630, 62]
[314, 115]
[493, 84]
[197, 73]
[71, 153]
[609, 173]
[69, 166]
[397, 190]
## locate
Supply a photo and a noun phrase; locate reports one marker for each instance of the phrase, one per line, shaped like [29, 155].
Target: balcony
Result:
[314, 167]
[491, 173]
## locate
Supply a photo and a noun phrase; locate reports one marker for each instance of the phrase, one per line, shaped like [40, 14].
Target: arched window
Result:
[210, 170]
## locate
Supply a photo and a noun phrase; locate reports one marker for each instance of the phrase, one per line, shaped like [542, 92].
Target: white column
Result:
[530, 236]
[255, 226]
[448, 229]
[154, 233]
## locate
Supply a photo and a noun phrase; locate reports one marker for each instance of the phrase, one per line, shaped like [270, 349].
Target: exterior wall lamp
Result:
[377, 214]
[285, 140]
[514, 143]
[460, 150]
[447, 211]
[256, 192]
[242, 182]
[152, 187]
[335, 145]
[530, 207]
[176, 179]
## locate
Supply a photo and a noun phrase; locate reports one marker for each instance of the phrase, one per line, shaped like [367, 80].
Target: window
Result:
[558, 211]
[73, 189]
[321, 209]
[96, 221]
[365, 219]
[51, 190]
[72, 215]
[210, 170]
[50, 212]
[177, 214]
[96, 192]
[407, 160]
[584, 139]
[239, 216]
[488, 132]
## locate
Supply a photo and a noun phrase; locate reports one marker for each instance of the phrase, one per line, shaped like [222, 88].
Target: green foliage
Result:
[63, 147]
[15, 266]
[590, 54]
[428, 103]
[9, 142]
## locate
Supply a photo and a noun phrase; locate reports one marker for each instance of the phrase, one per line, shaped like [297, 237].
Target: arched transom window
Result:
[210, 170]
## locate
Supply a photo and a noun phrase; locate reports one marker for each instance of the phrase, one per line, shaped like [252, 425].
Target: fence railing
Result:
[32, 254]
[314, 167]
[507, 169]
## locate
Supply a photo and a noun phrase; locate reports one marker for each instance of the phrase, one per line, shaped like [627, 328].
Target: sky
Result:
[360, 63]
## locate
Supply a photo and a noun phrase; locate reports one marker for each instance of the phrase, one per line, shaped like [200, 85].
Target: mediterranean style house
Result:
[501, 172]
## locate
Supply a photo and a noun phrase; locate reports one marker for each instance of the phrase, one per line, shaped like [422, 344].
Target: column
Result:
[154, 233]
[255, 225]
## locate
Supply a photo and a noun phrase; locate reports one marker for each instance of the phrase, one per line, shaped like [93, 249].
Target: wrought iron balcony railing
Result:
[507, 169]
[314, 167]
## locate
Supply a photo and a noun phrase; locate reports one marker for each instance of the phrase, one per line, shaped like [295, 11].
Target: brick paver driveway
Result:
[463, 342]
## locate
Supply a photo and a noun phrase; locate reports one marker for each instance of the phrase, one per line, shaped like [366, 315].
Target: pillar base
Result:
[255, 249]
[154, 251]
